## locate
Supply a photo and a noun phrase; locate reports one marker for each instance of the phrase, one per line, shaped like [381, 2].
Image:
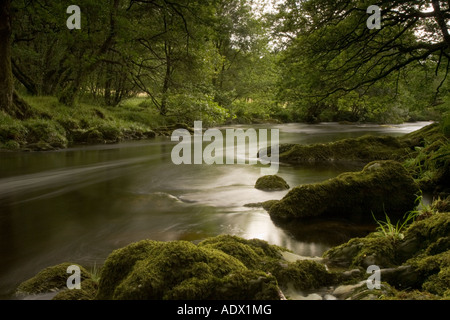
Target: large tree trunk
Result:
[9, 100]
[6, 77]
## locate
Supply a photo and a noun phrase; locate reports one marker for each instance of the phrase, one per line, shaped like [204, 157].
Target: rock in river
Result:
[271, 183]
[381, 187]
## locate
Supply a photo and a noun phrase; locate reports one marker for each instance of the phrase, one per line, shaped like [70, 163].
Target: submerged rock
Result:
[382, 186]
[271, 183]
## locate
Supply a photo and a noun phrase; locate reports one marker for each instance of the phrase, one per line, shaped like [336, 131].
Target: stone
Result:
[271, 183]
[381, 187]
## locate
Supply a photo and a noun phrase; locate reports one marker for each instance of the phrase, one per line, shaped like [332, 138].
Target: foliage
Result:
[335, 68]
[225, 61]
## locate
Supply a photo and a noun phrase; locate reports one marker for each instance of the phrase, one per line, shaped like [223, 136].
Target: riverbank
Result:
[56, 126]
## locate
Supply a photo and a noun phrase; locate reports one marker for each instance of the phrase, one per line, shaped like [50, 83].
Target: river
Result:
[79, 204]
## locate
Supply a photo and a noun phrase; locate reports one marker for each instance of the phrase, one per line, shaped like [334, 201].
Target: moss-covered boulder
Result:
[253, 253]
[382, 186]
[222, 267]
[420, 261]
[367, 148]
[427, 234]
[88, 291]
[51, 279]
[363, 252]
[271, 183]
[303, 275]
[150, 270]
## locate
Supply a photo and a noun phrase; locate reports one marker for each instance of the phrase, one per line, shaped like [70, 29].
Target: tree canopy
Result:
[297, 60]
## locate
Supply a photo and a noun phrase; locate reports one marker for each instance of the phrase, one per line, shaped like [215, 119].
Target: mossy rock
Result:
[222, 267]
[381, 187]
[50, 279]
[150, 270]
[363, 252]
[420, 261]
[439, 283]
[421, 137]
[271, 183]
[367, 148]
[88, 291]
[432, 272]
[252, 253]
[426, 233]
[303, 275]
[441, 205]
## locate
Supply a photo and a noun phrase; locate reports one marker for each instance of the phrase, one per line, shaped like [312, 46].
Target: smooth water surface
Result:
[78, 205]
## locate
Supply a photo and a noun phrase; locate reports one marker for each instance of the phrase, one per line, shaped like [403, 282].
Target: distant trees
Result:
[311, 60]
[332, 56]
[206, 54]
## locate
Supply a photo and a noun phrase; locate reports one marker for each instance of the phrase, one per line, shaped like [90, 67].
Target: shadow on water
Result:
[328, 232]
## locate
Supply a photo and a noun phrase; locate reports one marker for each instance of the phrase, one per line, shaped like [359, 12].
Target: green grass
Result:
[391, 231]
[395, 231]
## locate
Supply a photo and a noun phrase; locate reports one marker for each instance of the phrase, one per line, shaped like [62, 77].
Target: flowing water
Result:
[78, 205]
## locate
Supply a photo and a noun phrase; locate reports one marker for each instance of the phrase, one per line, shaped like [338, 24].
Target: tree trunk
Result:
[6, 77]
[9, 100]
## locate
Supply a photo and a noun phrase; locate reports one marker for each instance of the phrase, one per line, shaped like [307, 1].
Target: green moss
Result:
[250, 252]
[412, 295]
[238, 250]
[363, 293]
[423, 136]
[178, 270]
[120, 263]
[438, 283]
[303, 275]
[367, 148]
[45, 131]
[441, 205]
[222, 267]
[248, 284]
[427, 231]
[49, 279]
[271, 183]
[382, 186]
[88, 291]
[363, 252]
